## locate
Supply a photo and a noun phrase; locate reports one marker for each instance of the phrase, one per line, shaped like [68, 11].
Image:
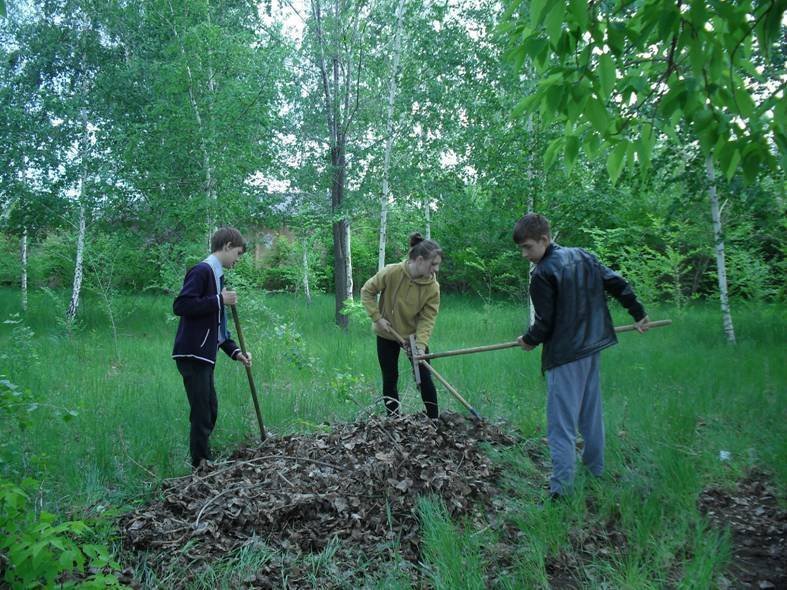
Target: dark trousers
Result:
[198, 380]
[388, 355]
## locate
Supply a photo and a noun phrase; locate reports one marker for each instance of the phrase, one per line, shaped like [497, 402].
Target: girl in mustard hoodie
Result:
[409, 302]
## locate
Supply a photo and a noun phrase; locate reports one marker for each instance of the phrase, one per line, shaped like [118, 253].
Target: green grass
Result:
[453, 554]
[673, 399]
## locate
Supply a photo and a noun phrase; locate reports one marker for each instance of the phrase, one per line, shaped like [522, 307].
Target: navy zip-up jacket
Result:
[199, 307]
[568, 287]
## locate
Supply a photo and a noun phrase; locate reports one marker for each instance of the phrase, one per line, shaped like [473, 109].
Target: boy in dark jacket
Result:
[202, 331]
[568, 288]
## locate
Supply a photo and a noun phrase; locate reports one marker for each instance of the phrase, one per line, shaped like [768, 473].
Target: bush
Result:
[37, 551]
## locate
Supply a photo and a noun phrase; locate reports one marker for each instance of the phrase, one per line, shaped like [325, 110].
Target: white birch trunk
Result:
[721, 265]
[73, 306]
[306, 290]
[383, 224]
[428, 219]
[389, 136]
[531, 266]
[348, 262]
[23, 256]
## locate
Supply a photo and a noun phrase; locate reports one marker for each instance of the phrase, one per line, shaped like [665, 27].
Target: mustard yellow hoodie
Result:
[411, 305]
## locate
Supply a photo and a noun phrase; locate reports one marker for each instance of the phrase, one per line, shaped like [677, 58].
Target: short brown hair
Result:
[531, 226]
[427, 249]
[226, 235]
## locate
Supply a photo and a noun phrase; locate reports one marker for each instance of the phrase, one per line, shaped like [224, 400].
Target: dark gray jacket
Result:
[568, 288]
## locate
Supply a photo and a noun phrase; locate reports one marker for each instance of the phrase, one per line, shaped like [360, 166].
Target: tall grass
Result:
[673, 400]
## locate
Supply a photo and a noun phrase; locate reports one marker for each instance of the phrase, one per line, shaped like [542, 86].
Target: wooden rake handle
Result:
[451, 389]
[460, 351]
[248, 372]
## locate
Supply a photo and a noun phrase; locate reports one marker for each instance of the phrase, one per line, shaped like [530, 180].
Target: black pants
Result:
[201, 391]
[388, 355]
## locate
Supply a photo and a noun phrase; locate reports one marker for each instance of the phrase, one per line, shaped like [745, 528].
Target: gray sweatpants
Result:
[574, 402]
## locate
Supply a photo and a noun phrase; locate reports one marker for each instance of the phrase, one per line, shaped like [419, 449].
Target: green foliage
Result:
[37, 551]
[16, 405]
[488, 263]
[354, 309]
[290, 345]
[24, 351]
[655, 274]
[51, 262]
[170, 261]
[611, 71]
[59, 301]
[750, 277]
[10, 271]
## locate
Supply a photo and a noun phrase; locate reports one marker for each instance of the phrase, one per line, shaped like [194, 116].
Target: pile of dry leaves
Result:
[358, 483]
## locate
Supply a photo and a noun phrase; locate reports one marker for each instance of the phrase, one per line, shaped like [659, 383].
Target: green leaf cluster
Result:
[624, 74]
[41, 552]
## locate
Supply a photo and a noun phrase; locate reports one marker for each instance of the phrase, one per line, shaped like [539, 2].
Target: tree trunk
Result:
[718, 239]
[389, 135]
[23, 256]
[78, 265]
[428, 218]
[306, 290]
[338, 78]
[531, 266]
[342, 260]
[342, 269]
[73, 306]
[348, 261]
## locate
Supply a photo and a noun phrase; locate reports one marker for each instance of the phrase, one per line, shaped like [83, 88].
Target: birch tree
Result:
[83, 155]
[389, 134]
[198, 96]
[718, 241]
[23, 258]
[57, 84]
[337, 52]
[203, 132]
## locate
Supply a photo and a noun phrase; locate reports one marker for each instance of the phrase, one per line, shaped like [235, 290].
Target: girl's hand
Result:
[383, 324]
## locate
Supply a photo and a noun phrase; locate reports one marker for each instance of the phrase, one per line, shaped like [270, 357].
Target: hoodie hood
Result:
[420, 280]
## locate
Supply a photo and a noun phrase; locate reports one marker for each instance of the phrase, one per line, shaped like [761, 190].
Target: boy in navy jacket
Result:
[568, 288]
[202, 331]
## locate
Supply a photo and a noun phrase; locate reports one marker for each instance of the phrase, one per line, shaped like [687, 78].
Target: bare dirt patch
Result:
[759, 530]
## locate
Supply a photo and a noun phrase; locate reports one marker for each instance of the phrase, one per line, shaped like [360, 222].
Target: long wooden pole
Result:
[436, 355]
[633, 327]
[248, 372]
[452, 390]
